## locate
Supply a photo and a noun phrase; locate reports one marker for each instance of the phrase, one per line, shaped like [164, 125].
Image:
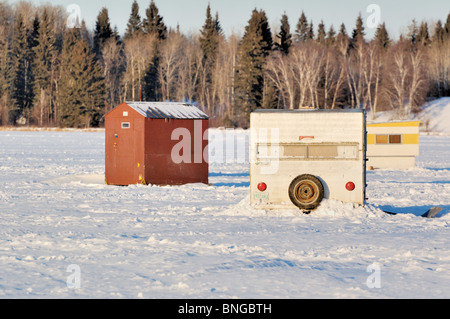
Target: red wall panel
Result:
[142, 153]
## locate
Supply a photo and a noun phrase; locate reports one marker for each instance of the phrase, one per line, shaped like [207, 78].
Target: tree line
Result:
[53, 75]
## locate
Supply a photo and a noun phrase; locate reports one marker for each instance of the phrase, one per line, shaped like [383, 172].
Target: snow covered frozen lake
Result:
[65, 234]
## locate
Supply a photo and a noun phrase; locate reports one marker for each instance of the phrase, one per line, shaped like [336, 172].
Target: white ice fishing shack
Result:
[300, 157]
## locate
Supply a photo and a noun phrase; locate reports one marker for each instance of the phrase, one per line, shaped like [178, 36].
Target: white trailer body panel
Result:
[330, 145]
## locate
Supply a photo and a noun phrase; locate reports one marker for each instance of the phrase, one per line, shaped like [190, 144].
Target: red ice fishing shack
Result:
[156, 143]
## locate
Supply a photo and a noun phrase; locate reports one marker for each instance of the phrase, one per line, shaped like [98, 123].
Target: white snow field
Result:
[65, 234]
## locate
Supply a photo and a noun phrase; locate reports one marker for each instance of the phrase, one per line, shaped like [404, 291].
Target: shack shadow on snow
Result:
[438, 169]
[414, 210]
[237, 184]
[231, 182]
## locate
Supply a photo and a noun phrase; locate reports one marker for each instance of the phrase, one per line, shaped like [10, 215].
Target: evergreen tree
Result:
[423, 37]
[358, 33]
[331, 36]
[116, 35]
[5, 66]
[413, 31]
[343, 31]
[254, 48]
[33, 35]
[154, 23]
[134, 25]
[447, 28]
[19, 64]
[310, 31]
[103, 31]
[45, 52]
[284, 36]
[382, 37]
[82, 87]
[267, 40]
[209, 43]
[218, 25]
[301, 32]
[439, 33]
[86, 34]
[152, 84]
[321, 34]
[342, 40]
[30, 57]
[209, 37]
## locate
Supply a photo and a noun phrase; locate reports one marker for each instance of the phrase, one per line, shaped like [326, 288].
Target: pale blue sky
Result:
[234, 14]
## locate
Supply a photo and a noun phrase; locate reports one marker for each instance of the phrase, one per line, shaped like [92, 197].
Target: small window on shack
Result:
[395, 139]
[389, 139]
[126, 125]
[382, 139]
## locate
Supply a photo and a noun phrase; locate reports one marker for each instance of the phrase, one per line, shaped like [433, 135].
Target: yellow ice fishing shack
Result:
[392, 145]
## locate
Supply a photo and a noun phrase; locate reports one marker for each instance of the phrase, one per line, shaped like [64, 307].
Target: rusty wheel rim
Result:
[306, 192]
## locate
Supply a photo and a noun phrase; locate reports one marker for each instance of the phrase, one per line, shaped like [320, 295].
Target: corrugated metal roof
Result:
[168, 110]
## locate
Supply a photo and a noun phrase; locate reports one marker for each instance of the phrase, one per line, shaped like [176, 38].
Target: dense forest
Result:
[55, 74]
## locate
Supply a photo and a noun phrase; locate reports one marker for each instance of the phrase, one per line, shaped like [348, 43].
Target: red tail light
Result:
[350, 186]
[262, 187]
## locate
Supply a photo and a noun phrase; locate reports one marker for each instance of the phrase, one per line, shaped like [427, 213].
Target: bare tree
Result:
[439, 68]
[113, 66]
[171, 58]
[417, 80]
[340, 81]
[397, 79]
[307, 62]
[223, 76]
[333, 79]
[190, 68]
[279, 71]
[355, 69]
[139, 51]
[371, 71]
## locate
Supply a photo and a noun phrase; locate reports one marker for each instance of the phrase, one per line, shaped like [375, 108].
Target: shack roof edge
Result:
[167, 110]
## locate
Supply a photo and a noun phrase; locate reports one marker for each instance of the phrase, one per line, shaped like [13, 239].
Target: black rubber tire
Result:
[306, 192]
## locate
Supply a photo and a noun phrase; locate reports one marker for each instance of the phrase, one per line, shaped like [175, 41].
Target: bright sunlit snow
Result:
[199, 241]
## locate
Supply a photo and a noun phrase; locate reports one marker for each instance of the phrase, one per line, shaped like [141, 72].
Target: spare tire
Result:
[306, 192]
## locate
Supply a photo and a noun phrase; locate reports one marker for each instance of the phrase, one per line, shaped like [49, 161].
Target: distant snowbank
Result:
[435, 116]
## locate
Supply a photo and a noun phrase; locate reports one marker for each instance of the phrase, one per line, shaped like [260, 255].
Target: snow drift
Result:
[436, 116]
